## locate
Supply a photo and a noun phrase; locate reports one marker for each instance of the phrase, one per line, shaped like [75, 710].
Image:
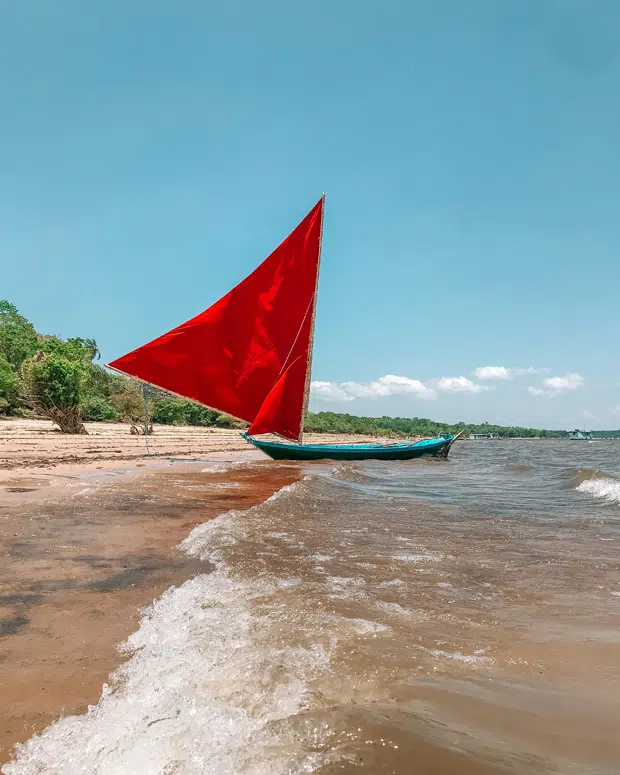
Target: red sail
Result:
[285, 403]
[253, 341]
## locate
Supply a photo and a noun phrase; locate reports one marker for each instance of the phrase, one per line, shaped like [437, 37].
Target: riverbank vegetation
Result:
[42, 375]
[59, 379]
[330, 422]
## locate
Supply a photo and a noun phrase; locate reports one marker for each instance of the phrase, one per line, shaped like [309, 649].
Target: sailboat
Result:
[249, 355]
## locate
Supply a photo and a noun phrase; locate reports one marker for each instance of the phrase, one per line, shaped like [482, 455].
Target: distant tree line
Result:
[398, 427]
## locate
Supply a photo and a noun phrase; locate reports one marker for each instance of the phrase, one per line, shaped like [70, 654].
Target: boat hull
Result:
[400, 451]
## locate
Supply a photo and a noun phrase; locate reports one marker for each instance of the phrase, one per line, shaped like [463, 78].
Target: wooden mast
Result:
[311, 343]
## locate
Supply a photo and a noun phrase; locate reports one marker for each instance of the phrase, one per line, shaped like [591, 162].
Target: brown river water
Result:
[428, 618]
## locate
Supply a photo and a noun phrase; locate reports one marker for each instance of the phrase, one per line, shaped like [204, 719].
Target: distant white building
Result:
[578, 435]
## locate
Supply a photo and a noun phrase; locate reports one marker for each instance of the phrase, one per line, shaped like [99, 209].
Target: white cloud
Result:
[555, 386]
[395, 385]
[588, 415]
[505, 373]
[534, 391]
[616, 409]
[460, 385]
[388, 385]
[329, 391]
[530, 370]
[492, 372]
[571, 381]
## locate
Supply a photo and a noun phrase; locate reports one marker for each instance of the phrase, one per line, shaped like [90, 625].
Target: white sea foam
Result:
[226, 465]
[85, 491]
[185, 701]
[393, 608]
[469, 659]
[288, 489]
[343, 581]
[425, 557]
[602, 487]
[208, 539]
[207, 690]
[367, 627]
[289, 582]
[216, 468]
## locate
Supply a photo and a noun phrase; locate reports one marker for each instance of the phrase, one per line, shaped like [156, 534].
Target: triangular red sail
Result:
[284, 405]
[232, 355]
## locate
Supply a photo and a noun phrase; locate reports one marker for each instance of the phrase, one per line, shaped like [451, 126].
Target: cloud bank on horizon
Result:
[550, 400]
[501, 372]
[395, 385]
[388, 385]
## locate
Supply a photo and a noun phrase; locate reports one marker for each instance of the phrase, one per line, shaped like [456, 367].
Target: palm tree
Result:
[91, 346]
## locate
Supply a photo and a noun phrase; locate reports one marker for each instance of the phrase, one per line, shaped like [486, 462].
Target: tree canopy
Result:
[45, 375]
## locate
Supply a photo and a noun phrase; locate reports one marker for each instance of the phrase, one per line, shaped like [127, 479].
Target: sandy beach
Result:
[35, 444]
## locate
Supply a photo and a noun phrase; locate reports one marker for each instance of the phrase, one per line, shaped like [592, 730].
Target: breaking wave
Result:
[208, 689]
[604, 488]
[346, 472]
[582, 475]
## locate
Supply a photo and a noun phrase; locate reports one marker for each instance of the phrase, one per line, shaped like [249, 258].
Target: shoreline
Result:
[34, 447]
[86, 546]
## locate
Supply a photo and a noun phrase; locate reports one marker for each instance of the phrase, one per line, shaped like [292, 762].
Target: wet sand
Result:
[83, 550]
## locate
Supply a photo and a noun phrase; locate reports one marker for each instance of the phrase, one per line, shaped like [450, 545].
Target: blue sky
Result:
[152, 153]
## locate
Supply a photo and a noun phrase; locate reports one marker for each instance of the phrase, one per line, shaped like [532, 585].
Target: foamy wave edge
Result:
[186, 699]
[603, 488]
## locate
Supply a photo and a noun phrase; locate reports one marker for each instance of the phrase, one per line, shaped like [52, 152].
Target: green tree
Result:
[170, 411]
[199, 415]
[8, 379]
[53, 387]
[103, 383]
[73, 349]
[97, 409]
[92, 348]
[18, 339]
[129, 404]
[226, 421]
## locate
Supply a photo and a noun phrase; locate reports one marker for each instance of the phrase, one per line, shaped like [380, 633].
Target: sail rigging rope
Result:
[312, 298]
[146, 418]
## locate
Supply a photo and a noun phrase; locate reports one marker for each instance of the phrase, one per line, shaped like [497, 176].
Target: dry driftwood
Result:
[68, 420]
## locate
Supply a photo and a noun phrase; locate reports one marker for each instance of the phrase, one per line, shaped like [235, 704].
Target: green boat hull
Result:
[399, 451]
